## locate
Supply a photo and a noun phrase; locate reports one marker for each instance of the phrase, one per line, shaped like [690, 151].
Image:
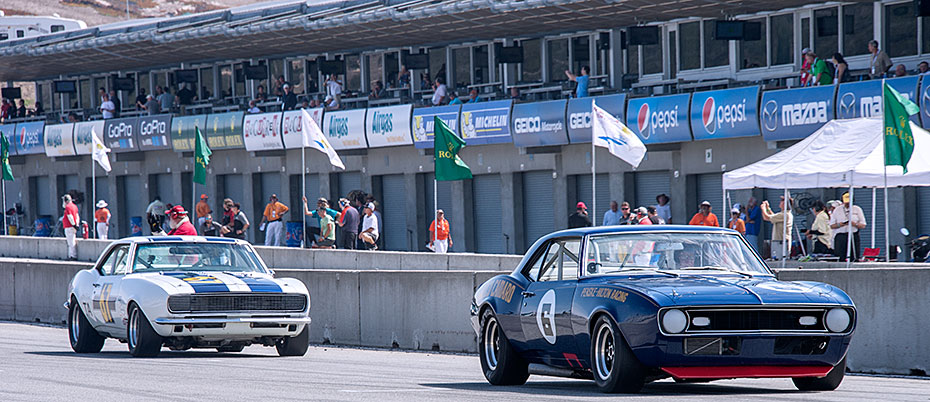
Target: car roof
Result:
[640, 228]
[177, 239]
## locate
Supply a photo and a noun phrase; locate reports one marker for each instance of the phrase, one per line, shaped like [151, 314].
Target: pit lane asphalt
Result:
[37, 364]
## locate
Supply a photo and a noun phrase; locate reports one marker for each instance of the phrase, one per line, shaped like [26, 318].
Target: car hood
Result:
[175, 282]
[705, 289]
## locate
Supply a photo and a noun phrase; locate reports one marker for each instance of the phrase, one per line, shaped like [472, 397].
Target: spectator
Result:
[654, 217]
[202, 209]
[304, 104]
[579, 219]
[663, 208]
[842, 69]
[5, 109]
[22, 111]
[370, 199]
[260, 94]
[314, 103]
[141, 99]
[209, 227]
[626, 218]
[227, 216]
[820, 75]
[156, 211]
[331, 103]
[185, 96]
[612, 216]
[515, 94]
[279, 86]
[899, 71]
[334, 88]
[327, 237]
[205, 93]
[922, 69]
[289, 99]
[403, 77]
[102, 220]
[425, 82]
[117, 104]
[473, 96]
[840, 223]
[753, 223]
[581, 90]
[324, 204]
[107, 107]
[439, 92]
[820, 232]
[782, 224]
[440, 241]
[642, 216]
[238, 224]
[736, 223]
[253, 109]
[165, 100]
[70, 221]
[377, 90]
[454, 98]
[72, 118]
[704, 217]
[151, 106]
[805, 67]
[38, 111]
[166, 224]
[369, 235]
[179, 223]
[348, 221]
[274, 212]
[880, 62]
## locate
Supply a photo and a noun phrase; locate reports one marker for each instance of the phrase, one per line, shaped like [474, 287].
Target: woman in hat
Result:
[102, 220]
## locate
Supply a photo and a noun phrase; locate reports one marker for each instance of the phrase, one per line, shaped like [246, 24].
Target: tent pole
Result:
[303, 189]
[785, 248]
[874, 192]
[593, 181]
[849, 233]
[93, 192]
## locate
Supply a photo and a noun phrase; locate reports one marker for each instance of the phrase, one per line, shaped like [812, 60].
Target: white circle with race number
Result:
[545, 316]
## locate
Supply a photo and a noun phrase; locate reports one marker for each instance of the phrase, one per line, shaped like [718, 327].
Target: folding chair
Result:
[870, 254]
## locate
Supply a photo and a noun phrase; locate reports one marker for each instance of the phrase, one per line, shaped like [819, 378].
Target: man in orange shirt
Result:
[202, 209]
[102, 220]
[274, 230]
[439, 237]
[704, 217]
[736, 223]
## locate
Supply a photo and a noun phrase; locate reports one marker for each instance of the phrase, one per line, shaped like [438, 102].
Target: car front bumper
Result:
[229, 328]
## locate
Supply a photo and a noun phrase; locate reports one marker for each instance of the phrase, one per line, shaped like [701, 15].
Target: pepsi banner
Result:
[29, 138]
[726, 113]
[864, 98]
[224, 130]
[121, 135]
[540, 124]
[388, 126]
[294, 128]
[262, 132]
[579, 115]
[183, 131]
[9, 131]
[792, 114]
[486, 122]
[424, 122]
[59, 140]
[83, 144]
[345, 129]
[660, 119]
[154, 132]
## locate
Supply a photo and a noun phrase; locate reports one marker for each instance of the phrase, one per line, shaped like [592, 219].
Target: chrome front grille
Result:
[224, 303]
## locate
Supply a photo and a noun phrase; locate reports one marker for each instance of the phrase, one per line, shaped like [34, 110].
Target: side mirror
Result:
[905, 232]
[593, 267]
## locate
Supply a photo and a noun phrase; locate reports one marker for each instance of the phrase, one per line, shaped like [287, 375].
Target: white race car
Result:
[186, 292]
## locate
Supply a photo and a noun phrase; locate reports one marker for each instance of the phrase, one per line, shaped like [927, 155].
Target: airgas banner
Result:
[864, 98]
[154, 132]
[121, 135]
[345, 129]
[725, 113]
[579, 114]
[59, 140]
[539, 124]
[660, 119]
[262, 132]
[29, 138]
[183, 131]
[224, 130]
[9, 131]
[83, 144]
[424, 122]
[294, 127]
[792, 114]
[486, 122]
[388, 126]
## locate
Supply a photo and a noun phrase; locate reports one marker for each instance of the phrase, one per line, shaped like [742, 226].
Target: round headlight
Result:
[838, 320]
[674, 321]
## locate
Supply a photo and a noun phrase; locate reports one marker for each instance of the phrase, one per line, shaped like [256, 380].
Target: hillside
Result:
[97, 12]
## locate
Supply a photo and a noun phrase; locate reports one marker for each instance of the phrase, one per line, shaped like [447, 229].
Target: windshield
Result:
[195, 257]
[708, 252]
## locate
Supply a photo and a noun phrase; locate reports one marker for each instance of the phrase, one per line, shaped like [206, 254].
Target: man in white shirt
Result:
[369, 235]
[333, 87]
[663, 208]
[439, 92]
[107, 107]
[156, 211]
[840, 221]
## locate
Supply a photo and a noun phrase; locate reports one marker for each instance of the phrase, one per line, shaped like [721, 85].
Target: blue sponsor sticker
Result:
[29, 138]
[660, 119]
[486, 122]
[725, 113]
[864, 98]
[792, 114]
[539, 124]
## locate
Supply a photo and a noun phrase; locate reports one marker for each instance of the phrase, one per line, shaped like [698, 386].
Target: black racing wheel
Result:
[84, 338]
[500, 363]
[614, 366]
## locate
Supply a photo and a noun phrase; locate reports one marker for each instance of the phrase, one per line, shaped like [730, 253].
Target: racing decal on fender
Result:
[201, 283]
[502, 289]
[545, 316]
[605, 293]
[104, 304]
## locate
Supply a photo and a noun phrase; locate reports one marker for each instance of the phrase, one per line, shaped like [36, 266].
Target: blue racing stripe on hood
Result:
[202, 283]
[261, 284]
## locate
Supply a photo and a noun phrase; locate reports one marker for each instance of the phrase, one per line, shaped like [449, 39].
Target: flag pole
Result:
[593, 174]
[3, 189]
[885, 178]
[303, 187]
[93, 192]
[435, 234]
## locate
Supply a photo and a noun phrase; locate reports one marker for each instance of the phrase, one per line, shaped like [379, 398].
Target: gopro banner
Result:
[388, 126]
[726, 113]
[182, 131]
[293, 126]
[154, 132]
[579, 114]
[59, 140]
[29, 138]
[424, 123]
[539, 124]
[9, 131]
[121, 135]
[83, 145]
[224, 130]
[345, 129]
[486, 122]
[262, 132]
[660, 119]
[792, 114]
[864, 98]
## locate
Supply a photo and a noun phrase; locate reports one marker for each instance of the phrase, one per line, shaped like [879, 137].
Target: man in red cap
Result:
[580, 218]
[180, 224]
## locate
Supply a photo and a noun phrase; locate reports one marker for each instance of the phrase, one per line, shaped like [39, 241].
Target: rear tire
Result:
[827, 383]
[613, 364]
[84, 338]
[499, 361]
[295, 346]
[142, 339]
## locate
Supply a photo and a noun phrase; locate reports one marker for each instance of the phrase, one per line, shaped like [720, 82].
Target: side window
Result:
[58, 28]
[121, 265]
[107, 267]
[550, 263]
[561, 260]
[570, 257]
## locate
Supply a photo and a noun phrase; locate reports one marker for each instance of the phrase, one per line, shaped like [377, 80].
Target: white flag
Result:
[313, 137]
[100, 151]
[608, 132]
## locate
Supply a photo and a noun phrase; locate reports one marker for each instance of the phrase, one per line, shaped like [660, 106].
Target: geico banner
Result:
[579, 114]
[792, 114]
[154, 132]
[864, 98]
[83, 145]
[388, 126]
[29, 138]
[660, 119]
[183, 131]
[224, 130]
[486, 122]
[262, 132]
[345, 129]
[9, 131]
[539, 124]
[121, 135]
[294, 126]
[725, 113]
[59, 140]
[424, 123]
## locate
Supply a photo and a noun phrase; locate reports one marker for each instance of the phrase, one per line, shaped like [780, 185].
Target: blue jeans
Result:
[753, 241]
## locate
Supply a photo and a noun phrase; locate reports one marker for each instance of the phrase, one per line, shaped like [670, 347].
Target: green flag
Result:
[5, 158]
[899, 141]
[446, 146]
[201, 157]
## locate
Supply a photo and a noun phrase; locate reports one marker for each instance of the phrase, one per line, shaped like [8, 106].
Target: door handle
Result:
[528, 294]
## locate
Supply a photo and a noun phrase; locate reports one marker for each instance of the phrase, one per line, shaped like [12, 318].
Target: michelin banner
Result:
[83, 145]
[579, 114]
[539, 124]
[59, 140]
[29, 138]
[182, 131]
[262, 132]
[424, 122]
[388, 126]
[486, 122]
[293, 126]
[345, 129]
[660, 119]
[154, 132]
[792, 114]
[726, 113]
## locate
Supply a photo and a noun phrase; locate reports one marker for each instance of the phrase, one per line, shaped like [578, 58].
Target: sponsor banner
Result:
[660, 119]
[293, 126]
[924, 103]
[262, 132]
[539, 124]
[486, 122]
[154, 132]
[121, 135]
[83, 145]
[424, 122]
[388, 126]
[864, 98]
[579, 114]
[345, 129]
[224, 130]
[792, 114]
[9, 131]
[59, 140]
[182, 131]
[725, 113]
[29, 138]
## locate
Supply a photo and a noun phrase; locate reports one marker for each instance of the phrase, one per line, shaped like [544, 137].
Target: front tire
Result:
[499, 362]
[84, 338]
[295, 346]
[142, 339]
[614, 366]
[827, 383]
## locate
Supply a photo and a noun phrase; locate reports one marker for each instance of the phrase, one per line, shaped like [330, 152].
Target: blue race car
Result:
[626, 305]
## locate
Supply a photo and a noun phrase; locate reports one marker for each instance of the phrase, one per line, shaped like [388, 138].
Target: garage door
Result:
[70, 182]
[394, 213]
[135, 202]
[232, 188]
[165, 189]
[583, 191]
[710, 188]
[349, 181]
[863, 198]
[538, 198]
[649, 185]
[445, 204]
[923, 209]
[489, 236]
[103, 193]
[45, 200]
[312, 183]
